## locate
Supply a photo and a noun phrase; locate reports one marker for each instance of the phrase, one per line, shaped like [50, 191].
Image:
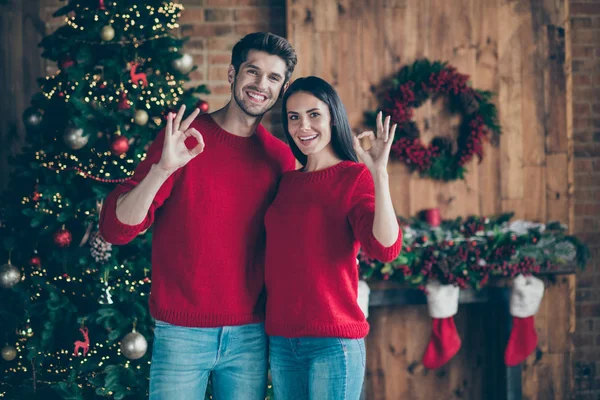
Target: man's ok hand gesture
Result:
[175, 153]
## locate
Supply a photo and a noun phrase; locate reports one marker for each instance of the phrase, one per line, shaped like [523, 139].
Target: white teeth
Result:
[257, 97]
[308, 138]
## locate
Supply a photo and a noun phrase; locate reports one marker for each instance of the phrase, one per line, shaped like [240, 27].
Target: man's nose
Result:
[262, 82]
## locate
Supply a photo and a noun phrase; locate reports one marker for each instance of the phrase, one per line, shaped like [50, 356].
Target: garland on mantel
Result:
[468, 252]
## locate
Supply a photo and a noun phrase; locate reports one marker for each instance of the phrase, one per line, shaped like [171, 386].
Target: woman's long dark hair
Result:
[341, 135]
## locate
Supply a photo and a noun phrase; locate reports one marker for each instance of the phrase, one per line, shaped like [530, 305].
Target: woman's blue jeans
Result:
[317, 368]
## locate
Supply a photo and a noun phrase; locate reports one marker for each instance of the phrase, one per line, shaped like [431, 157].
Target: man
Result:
[205, 185]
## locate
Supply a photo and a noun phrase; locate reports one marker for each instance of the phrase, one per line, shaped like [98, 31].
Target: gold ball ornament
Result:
[9, 276]
[107, 33]
[141, 117]
[134, 345]
[184, 64]
[9, 353]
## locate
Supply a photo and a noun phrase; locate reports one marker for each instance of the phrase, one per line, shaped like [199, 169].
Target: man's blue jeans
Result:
[183, 358]
[317, 368]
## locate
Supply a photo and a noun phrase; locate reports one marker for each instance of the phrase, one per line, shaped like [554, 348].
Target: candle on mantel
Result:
[432, 216]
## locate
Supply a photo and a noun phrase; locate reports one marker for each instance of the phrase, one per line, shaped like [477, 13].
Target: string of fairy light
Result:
[63, 355]
[90, 169]
[170, 11]
[147, 97]
[42, 204]
[104, 94]
[107, 167]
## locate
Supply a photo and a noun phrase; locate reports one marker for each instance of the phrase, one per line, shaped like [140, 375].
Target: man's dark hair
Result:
[269, 43]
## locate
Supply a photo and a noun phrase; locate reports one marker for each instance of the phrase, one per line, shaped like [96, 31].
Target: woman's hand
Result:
[376, 158]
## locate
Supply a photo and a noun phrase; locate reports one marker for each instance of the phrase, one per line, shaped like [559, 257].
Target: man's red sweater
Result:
[315, 227]
[209, 237]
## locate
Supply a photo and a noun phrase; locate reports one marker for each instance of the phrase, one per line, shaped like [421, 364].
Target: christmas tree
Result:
[74, 321]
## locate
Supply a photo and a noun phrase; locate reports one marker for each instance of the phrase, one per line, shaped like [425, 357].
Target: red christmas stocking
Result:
[444, 342]
[525, 301]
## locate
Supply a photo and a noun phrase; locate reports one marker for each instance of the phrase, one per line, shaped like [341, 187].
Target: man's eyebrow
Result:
[252, 66]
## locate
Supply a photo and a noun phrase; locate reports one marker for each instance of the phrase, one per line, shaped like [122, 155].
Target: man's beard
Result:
[245, 109]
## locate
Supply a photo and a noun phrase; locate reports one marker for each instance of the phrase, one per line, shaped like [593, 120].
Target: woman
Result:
[321, 216]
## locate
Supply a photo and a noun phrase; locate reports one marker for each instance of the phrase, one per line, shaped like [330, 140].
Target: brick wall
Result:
[214, 27]
[585, 25]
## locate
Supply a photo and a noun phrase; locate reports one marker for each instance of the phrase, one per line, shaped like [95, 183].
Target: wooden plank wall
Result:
[21, 29]
[516, 48]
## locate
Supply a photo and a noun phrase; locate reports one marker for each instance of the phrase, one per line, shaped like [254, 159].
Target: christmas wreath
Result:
[424, 80]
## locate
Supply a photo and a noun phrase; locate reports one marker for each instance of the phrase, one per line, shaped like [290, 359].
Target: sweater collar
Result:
[320, 174]
[209, 125]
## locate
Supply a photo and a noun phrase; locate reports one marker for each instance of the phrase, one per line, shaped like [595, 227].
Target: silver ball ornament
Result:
[9, 276]
[75, 138]
[134, 345]
[9, 353]
[107, 33]
[141, 117]
[32, 118]
[184, 64]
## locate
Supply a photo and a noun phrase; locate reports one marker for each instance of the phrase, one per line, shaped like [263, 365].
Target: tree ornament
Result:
[62, 237]
[100, 249]
[9, 275]
[183, 64]
[137, 76]
[32, 118]
[123, 102]
[120, 145]
[9, 353]
[82, 344]
[107, 33]
[106, 297]
[36, 196]
[66, 62]
[202, 106]
[101, 5]
[75, 138]
[134, 345]
[140, 117]
[35, 260]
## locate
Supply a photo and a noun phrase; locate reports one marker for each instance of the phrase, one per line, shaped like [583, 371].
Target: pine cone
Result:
[100, 249]
[468, 102]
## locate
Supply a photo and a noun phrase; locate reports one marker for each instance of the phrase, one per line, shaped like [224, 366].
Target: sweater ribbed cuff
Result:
[112, 229]
[380, 252]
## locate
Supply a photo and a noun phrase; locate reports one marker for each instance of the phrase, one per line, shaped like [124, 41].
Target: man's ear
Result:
[283, 89]
[231, 74]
